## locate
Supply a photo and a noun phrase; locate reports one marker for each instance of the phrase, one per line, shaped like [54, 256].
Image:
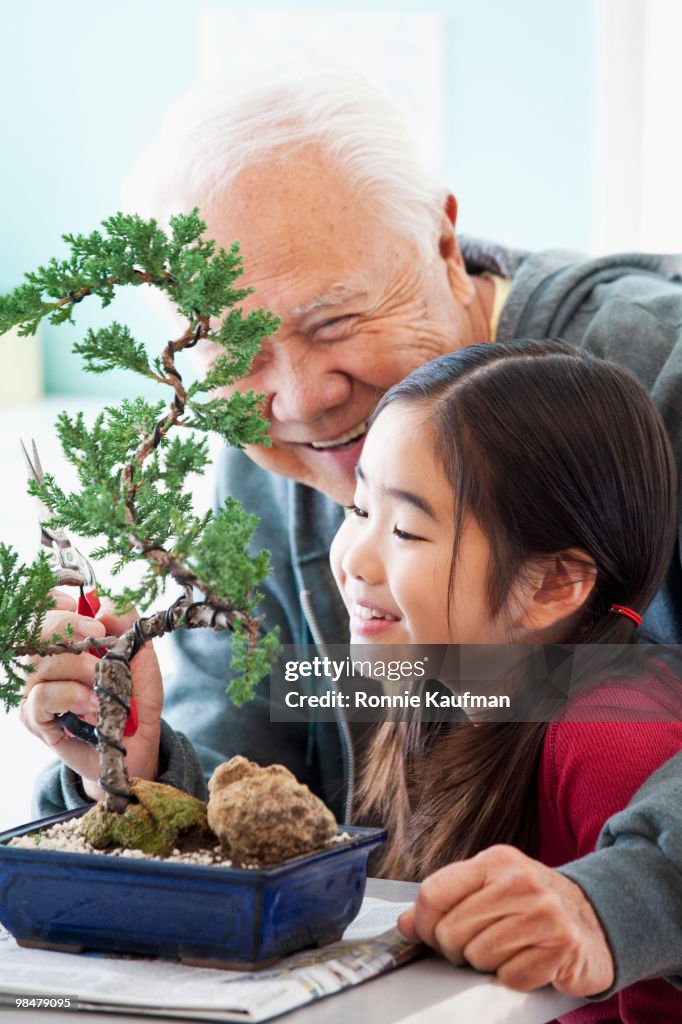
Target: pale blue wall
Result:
[82, 85]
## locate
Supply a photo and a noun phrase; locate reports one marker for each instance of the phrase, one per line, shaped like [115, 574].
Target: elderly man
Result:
[352, 243]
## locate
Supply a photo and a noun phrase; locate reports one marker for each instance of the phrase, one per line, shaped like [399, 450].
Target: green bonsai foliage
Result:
[24, 600]
[133, 461]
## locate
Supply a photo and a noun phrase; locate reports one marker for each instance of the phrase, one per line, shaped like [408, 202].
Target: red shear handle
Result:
[88, 604]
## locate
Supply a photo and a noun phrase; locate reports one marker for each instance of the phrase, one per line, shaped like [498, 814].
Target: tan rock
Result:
[265, 814]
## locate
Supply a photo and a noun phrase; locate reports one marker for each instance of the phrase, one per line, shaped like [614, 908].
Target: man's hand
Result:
[64, 682]
[502, 911]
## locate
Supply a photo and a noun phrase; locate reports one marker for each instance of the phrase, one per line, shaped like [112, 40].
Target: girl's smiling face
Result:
[391, 557]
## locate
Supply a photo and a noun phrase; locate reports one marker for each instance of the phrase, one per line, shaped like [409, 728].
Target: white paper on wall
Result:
[638, 146]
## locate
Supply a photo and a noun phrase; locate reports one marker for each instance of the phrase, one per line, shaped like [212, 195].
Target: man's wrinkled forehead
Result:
[300, 203]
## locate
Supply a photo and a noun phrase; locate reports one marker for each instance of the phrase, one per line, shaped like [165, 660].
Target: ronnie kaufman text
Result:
[361, 699]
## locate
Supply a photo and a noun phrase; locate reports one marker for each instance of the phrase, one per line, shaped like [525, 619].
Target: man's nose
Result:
[301, 386]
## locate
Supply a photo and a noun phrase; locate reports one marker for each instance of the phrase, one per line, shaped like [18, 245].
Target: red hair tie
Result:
[620, 609]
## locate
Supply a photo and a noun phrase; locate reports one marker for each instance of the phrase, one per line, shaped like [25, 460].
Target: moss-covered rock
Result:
[155, 824]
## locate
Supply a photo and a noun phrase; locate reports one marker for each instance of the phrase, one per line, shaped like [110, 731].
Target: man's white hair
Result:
[215, 131]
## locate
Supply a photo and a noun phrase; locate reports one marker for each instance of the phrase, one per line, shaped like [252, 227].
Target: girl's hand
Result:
[503, 912]
[64, 682]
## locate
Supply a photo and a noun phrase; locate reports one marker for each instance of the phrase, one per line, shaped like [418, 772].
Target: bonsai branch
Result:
[113, 685]
[64, 647]
[164, 561]
[177, 407]
[113, 678]
[78, 294]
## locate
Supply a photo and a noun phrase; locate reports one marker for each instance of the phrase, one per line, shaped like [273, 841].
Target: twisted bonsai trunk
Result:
[114, 685]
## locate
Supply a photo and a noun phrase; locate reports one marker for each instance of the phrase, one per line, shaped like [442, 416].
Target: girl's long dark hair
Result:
[549, 449]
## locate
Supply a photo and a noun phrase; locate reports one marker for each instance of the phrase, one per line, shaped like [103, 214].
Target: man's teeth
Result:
[371, 613]
[350, 435]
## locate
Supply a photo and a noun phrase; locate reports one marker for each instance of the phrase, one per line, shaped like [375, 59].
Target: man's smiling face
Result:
[360, 308]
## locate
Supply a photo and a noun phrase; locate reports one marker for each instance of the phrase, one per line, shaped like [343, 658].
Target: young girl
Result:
[514, 493]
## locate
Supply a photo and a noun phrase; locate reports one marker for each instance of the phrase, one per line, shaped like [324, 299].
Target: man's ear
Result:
[554, 588]
[461, 285]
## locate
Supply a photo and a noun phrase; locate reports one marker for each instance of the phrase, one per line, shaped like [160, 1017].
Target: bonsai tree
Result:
[132, 464]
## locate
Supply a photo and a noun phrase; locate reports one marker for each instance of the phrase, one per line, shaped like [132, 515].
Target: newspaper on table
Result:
[142, 985]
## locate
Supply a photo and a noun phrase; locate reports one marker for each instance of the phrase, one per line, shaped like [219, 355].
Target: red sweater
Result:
[589, 770]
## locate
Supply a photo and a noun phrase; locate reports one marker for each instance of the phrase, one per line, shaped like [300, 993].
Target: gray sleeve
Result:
[634, 881]
[60, 789]
[195, 701]
[197, 707]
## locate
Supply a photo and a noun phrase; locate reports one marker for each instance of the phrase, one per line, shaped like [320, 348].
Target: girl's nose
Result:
[362, 559]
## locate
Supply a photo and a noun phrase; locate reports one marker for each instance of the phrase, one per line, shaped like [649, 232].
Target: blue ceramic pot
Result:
[212, 916]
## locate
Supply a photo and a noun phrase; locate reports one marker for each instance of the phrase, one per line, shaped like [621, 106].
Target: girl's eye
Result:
[355, 510]
[403, 535]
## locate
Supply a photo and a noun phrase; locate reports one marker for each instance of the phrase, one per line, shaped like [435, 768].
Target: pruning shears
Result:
[71, 569]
